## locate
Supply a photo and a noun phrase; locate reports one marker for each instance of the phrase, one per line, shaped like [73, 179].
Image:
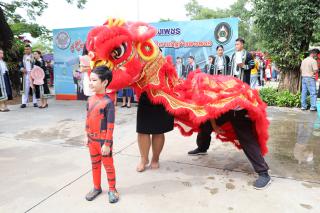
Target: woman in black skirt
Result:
[152, 122]
[43, 89]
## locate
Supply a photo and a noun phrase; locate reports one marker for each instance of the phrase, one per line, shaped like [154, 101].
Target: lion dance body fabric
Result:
[128, 50]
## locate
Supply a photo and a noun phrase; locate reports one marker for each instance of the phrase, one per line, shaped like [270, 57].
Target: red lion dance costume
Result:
[129, 51]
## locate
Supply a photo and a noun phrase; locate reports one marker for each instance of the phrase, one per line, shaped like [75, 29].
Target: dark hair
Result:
[191, 57]
[104, 73]
[85, 50]
[1, 49]
[211, 56]
[219, 47]
[178, 57]
[241, 40]
[314, 51]
[27, 45]
[38, 51]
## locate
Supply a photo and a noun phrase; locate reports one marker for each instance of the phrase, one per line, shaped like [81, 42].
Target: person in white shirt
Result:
[25, 67]
[241, 62]
[5, 86]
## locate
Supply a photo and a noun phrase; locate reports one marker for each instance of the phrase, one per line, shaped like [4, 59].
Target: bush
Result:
[268, 95]
[273, 97]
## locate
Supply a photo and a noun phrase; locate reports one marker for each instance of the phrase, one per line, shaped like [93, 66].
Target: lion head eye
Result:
[118, 52]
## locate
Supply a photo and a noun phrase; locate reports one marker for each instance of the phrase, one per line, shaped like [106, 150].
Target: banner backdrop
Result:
[178, 39]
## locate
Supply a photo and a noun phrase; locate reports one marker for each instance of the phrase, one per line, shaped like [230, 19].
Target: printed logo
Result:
[222, 33]
[63, 40]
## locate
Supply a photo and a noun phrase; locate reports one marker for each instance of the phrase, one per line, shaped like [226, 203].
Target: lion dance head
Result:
[124, 47]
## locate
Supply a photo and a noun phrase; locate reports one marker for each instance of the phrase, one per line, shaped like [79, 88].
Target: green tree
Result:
[12, 25]
[315, 41]
[18, 24]
[287, 28]
[239, 9]
[44, 45]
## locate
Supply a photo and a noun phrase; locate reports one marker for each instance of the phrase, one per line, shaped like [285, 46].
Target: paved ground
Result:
[45, 167]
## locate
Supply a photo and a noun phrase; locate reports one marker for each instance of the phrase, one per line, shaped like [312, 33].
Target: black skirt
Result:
[152, 119]
[42, 91]
[7, 93]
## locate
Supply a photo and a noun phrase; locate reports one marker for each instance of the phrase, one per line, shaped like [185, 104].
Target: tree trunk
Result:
[6, 35]
[290, 80]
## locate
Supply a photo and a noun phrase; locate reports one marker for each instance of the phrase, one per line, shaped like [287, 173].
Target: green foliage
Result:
[12, 23]
[287, 99]
[44, 45]
[287, 28]
[80, 3]
[165, 19]
[315, 41]
[35, 30]
[33, 9]
[273, 97]
[268, 95]
[197, 11]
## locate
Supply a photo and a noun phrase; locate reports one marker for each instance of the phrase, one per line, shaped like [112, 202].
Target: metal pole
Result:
[138, 10]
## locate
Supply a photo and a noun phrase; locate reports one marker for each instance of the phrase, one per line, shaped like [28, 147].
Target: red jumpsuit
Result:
[99, 128]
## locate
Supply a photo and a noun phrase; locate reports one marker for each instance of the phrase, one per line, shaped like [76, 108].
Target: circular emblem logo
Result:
[62, 40]
[222, 33]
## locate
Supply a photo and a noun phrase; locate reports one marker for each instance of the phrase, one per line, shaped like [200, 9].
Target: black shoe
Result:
[23, 106]
[93, 194]
[45, 106]
[35, 105]
[262, 182]
[197, 152]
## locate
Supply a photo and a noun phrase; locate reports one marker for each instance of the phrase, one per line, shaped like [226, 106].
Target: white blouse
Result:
[3, 67]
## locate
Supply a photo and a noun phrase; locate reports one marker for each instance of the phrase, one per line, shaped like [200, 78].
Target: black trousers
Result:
[247, 137]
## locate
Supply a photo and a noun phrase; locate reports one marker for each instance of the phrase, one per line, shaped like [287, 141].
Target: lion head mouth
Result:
[124, 47]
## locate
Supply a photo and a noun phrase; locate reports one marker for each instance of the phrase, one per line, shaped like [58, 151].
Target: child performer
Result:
[99, 128]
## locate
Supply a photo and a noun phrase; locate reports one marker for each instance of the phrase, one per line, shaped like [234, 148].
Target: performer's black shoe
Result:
[197, 152]
[263, 181]
[35, 105]
[93, 194]
[23, 106]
